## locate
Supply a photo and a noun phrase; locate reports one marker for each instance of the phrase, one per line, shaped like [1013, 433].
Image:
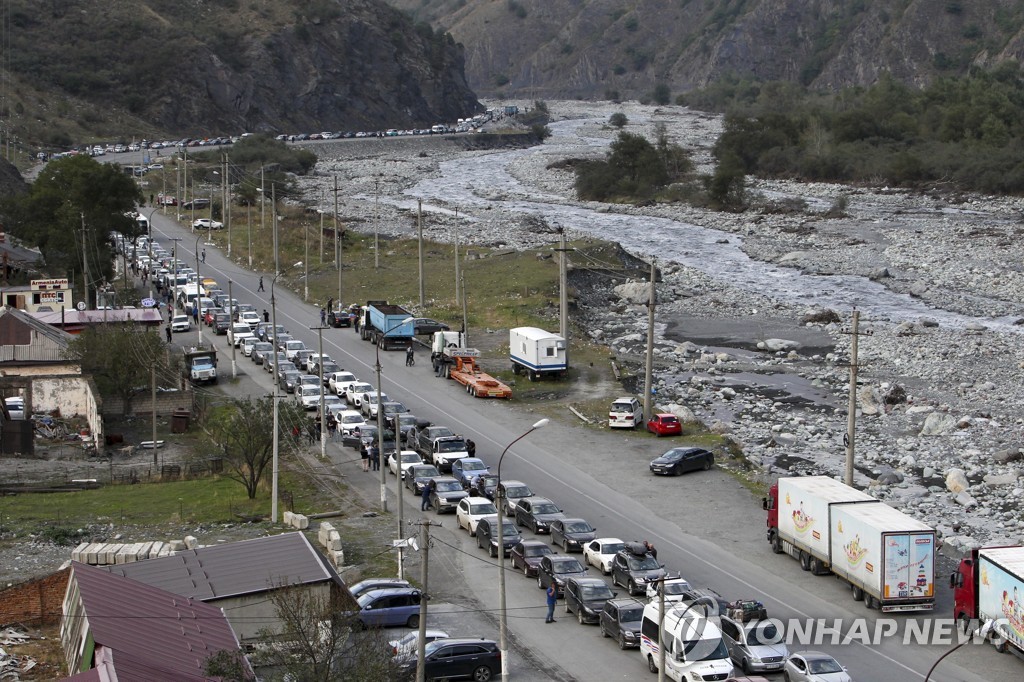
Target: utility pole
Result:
[248, 217]
[184, 194]
[234, 367]
[851, 417]
[337, 239]
[321, 228]
[661, 629]
[85, 266]
[458, 266]
[152, 385]
[419, 230]
[401, 503]
[225, 202]
[465, 318]
[263, 203]
[421, 643]
[305, 278]
[563, 286]
[323, 412]
[376, 220]
[649, 368]
[273, 207]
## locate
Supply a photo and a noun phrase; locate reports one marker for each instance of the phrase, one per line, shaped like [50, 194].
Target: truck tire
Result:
[516, 369]
[651, 667]
[816, 566]
[858, 593]
[534, 376]
[805, 560]
[776, 543]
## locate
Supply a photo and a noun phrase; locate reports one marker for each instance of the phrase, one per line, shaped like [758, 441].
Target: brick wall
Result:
[36, 602]
[142, 404]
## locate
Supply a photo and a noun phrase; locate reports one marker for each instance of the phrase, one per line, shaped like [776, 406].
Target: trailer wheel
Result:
[858, 593]
[816, 566]
[516, 369]
[534, 376]
[871, 602]
[805, 560]
[1000, 645]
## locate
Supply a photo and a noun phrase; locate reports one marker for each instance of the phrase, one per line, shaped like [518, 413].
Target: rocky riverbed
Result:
[938, 277]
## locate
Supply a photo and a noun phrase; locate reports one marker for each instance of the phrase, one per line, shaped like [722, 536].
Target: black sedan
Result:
[527, 555]
[484, 486]
[536, 513]
[556, 569]
[680, 460]
[572, 534]
[418, 475]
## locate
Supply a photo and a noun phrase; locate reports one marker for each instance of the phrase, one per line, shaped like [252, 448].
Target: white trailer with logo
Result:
[536, 352]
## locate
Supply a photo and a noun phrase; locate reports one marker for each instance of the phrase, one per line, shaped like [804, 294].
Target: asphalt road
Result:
[705, 524]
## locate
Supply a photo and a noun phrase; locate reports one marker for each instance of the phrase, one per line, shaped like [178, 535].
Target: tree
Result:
[320, 640]
[618, 119]
[661, 94]
[72, 194]
[244, 432]
[119, 357]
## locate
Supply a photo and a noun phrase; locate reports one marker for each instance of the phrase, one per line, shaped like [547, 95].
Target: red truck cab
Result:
[964, 584]
[770, 505]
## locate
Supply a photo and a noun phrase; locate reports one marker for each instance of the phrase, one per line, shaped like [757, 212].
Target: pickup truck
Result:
[446, 450]
[238, 332]
[421, 439]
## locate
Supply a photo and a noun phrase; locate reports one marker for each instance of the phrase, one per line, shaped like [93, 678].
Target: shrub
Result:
[618, 119]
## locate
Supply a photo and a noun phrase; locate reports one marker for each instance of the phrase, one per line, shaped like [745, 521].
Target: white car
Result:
[407, 646]
[309, 397]
[248, 344]
[338, 379]
[814, 666]
[408, 457]
[251, 318]
[238, 333]
[180, 323]
[349, 420]
[354, 394]
[370, 403]
[206, 224]
[600, 553]
[471, 510]
[292, 348]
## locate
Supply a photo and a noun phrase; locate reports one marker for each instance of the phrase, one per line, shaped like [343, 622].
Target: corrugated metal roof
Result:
[29, 323]
[234, 568]
[150, 634]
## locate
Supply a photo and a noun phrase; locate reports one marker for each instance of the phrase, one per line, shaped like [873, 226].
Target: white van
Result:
[625, 413]
[693, 644]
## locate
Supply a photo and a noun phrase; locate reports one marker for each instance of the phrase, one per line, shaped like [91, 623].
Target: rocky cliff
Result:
[587, 48]
[195, 67]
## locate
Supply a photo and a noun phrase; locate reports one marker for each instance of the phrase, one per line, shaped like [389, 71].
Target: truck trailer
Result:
[887, 557]
[385, 325]
[537, 352]
[989, 586]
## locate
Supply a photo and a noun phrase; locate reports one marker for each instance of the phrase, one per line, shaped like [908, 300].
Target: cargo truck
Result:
[989, 586]
[200, 365]
[887, 557]
[536, 352]
[385, 325]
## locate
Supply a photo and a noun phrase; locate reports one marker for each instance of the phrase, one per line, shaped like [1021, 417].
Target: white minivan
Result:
[625, 413]
[694, 648]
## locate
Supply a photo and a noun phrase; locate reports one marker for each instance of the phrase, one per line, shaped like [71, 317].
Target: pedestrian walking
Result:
[365, 454]
[410, 356]
[203, 257]
[168, 330]
[323, 317]
[425, 496]
[552, 600]
[260, 287]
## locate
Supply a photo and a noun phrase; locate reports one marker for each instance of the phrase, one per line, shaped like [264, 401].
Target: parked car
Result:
[250, 318]
[471, 510]
[337, 379]
[556, 569]
[348, 420]
[537, 513]
[390, 607]
[364, 586]
[238, 332]
[487, 535]
[467, 468]
[755, 646]
[221, 323]
[403, 459]
[511, 492]
[407, 645]
[527, 555]
[484, 486]
[600, 553]
[620, 619]
[291, 348]
[633, 567]
[586, 598]
[419, 475]
[814, 666]
[665, 425]
[680, 460]
[371, 402]
[247, 345]
[259, 351]
[571, 534]
[451, 659]
[16, 408]
[391, 408]
[625, 413]
[446, 494]
[289, 381]
[309, 397]
[207, 224]
[354, 394]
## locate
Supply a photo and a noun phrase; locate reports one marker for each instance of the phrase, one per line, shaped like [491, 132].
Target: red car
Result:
[665, 425]
[209, 317]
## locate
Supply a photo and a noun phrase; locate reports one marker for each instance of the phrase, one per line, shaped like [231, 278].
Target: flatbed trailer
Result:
[467, 372]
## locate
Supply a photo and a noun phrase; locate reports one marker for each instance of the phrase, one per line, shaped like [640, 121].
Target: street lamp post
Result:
[501, 554]
[277, 434]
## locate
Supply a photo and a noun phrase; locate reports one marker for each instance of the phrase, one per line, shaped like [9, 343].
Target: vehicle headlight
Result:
[559, 581]
[755, 659]
[629, 634]
[696, 677]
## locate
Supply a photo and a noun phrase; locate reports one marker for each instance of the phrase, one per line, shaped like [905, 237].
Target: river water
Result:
[476, 183]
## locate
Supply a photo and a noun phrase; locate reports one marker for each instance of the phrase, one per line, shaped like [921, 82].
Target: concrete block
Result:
[337, 557]
[300, 521]
[78, 553]
[334, 541]
[90, 553]
[287, 518]
[322, 533]
[191, 542]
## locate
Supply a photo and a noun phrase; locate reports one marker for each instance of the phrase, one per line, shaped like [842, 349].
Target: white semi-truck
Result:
[887, 557]
[989, 587]
[537, 352]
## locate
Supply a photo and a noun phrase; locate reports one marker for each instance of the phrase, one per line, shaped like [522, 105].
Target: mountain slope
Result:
[586, 48]
[194, 67]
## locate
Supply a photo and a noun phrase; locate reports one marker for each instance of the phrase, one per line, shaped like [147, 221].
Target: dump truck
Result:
[200, 365]
[385, 325]
[537, 352]
[887, 557]
[988, 586]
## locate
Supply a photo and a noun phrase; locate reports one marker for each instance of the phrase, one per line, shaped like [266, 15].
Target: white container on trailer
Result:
[804, 506]
[1001, 591]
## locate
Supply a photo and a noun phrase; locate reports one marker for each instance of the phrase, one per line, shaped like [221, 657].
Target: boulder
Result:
[964, 499]
[1002, 479]
[870, 401]
[956, 481]
[776, 345]
[938, 424]
[634, 292]
[894, 395]
[823, 316]
[1007, 455]
[683, 413]
[191, 542]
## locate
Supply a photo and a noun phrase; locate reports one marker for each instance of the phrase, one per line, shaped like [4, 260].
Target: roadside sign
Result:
[148, 303]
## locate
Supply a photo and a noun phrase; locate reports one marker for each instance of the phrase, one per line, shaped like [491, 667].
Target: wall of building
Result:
[166, 402]
[36, 602]
[252, 614]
